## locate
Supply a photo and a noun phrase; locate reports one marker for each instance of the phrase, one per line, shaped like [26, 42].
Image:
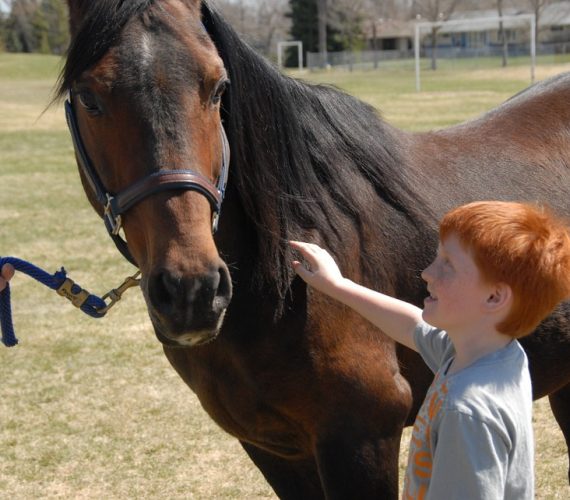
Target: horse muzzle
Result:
[188, 310]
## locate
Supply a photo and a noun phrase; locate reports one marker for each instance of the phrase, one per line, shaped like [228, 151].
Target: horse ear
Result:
[76, 12]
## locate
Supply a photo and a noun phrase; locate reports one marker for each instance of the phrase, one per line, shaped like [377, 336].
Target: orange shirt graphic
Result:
[420, 459]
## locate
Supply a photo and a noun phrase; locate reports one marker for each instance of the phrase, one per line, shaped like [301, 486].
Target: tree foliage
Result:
[304, 23]
[305, 27]
[34, 26]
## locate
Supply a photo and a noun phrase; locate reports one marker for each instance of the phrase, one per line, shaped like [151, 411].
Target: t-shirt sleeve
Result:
[470, 459]
[433, 345]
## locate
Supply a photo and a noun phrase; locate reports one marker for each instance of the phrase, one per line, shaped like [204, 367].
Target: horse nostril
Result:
[198, 299]
[223, 293]
[164, 288]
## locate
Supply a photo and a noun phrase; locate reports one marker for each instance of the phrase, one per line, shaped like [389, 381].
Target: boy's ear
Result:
[501, 296]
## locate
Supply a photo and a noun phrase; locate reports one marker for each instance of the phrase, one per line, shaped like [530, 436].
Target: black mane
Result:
[297, 150]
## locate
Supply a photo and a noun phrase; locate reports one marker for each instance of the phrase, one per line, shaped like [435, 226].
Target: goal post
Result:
[283, 45]
[531, 18]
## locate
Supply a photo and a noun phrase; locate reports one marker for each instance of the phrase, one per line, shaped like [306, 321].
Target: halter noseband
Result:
[115, 205]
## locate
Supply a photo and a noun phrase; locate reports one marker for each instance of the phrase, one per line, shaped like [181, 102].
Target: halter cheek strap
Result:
[115, 205]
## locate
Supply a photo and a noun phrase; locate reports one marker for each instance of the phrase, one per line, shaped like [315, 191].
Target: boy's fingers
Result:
[303, 246]
[307, 250]
[301, 270]
[6, 274]
[7, 271]
[299, 246]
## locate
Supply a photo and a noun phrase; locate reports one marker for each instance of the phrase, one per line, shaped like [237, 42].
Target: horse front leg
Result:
[290, 479]
[358, 463]
[357, 447]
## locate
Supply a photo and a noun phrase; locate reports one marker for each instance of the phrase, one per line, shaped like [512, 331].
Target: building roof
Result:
[555, 14]
[389, 28]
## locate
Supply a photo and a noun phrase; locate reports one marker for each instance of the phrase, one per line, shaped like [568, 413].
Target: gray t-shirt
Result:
[472, 438]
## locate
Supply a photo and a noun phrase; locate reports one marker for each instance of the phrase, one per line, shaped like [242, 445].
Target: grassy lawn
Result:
[91, 408]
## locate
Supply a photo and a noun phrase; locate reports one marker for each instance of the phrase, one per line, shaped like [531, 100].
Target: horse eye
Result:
[88, 101]
[220, 89]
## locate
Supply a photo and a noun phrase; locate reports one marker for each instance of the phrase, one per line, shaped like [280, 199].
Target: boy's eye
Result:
[444, 261]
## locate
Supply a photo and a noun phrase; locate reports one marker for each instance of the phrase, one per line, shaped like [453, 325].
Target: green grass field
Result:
[91, 409]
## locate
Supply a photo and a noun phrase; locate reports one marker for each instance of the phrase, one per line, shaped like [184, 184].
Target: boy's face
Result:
[457, 294]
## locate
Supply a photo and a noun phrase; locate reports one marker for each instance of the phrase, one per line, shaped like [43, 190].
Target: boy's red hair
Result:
[523, 245]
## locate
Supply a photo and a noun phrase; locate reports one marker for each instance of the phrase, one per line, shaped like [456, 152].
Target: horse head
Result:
[145, 82]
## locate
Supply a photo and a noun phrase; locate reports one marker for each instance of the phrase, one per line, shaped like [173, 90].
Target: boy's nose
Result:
[425, 274]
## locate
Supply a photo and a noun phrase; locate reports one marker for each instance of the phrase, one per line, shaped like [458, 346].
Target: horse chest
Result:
[245, 401]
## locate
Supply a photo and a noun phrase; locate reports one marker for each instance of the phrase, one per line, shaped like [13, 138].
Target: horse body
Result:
[516, 151]
[316, 395]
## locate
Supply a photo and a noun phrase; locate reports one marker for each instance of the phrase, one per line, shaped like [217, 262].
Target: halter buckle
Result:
[215, 220]
[113, 222]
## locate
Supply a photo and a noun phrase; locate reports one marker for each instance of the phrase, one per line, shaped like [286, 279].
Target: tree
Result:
[3, 21]
[35, 26]
[435, 11]
[322, 15]
[272, 24]
[502, 34]
[305, 27]
[55, 13]
[347, 18]
[261, 22]
[537, 7]
[19, 29]
[40, 30]
[379, 11]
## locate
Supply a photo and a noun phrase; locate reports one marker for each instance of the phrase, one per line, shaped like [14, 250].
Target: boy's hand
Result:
[394, 317]
[6, 275]
[323, 274]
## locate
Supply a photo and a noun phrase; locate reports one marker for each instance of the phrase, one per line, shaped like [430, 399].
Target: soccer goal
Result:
[284, 45]
[474, 25]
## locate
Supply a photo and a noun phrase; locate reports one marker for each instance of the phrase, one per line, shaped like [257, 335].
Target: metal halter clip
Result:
[215, 220]
[114, 221]
[76, 298]
[115, 294]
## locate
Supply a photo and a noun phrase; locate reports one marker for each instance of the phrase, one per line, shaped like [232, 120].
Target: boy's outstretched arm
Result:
[6, 274]
[394, 317]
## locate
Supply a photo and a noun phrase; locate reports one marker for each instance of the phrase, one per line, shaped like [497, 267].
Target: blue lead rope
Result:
[90, 304]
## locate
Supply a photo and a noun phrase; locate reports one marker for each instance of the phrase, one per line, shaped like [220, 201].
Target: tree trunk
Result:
[503, 35]
[375, 44]
[433, 48]
[322, 21]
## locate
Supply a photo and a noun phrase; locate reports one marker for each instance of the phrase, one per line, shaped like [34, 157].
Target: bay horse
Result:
[316, 396]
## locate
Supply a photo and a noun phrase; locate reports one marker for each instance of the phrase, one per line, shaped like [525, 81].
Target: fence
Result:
[383, 58]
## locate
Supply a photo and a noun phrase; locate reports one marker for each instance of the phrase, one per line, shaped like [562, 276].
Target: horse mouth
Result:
[187, 311]
[174, 338]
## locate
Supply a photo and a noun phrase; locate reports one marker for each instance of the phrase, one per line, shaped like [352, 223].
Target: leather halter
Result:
[115, 205]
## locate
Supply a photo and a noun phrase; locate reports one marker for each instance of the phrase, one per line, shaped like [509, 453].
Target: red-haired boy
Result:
[500, 269]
